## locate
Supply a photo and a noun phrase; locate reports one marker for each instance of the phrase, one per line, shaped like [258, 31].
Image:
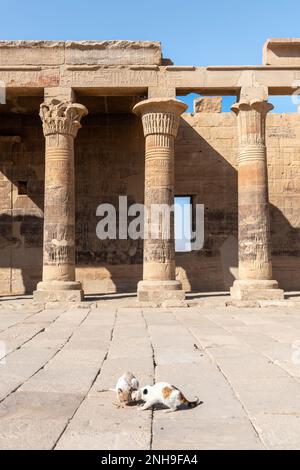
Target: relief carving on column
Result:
[251, 128]
[160, 115]
[62, 117]
[59, 244]
[160, 123]
[254, 223]
[160, 251]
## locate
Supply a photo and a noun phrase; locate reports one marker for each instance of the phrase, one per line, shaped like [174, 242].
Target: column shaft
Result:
[254, 222]
[159, 253]
[160, 117]
[61, 121]
[59, 212]
[255, 265]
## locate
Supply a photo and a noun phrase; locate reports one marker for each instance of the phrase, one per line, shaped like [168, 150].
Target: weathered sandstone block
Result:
[113, 52]
[32, 52]
[282, 51]
[45, 53]
[208, 105]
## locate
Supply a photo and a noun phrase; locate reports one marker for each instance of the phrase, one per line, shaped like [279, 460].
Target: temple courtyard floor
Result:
[58, 362]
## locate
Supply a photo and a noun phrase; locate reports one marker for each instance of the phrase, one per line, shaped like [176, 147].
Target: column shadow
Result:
[21, 204]
[101, 176]
[202, 172]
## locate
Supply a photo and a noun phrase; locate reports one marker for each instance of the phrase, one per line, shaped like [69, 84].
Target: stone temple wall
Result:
[206, 167]
[109, 161]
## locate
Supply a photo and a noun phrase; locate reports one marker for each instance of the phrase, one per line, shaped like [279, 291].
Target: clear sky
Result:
[193, 32]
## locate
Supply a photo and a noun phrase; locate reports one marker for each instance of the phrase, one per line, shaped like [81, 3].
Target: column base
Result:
[256, 289]
[160, 291]
[58, 291]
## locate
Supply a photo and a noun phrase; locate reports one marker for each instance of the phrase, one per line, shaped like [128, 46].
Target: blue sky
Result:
[193, 32]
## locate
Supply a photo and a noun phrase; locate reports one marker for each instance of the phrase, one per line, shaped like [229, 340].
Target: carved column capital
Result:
[260, 106]
[160, 115]
[61, 117]
[251, 115]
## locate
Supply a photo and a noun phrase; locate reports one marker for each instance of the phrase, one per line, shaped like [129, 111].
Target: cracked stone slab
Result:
[20, 366]
[98, 424]
[278, 431]
[24, 415]
[229, 433]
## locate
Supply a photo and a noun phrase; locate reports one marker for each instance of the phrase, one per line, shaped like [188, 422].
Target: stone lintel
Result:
[166, 90]
[59, 93]
[118, 79]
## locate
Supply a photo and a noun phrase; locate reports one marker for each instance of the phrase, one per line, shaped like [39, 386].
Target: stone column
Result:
[255, 266]
[160, 118]
[61, 121]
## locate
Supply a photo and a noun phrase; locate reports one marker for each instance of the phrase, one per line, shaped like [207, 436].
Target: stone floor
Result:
[58, 362]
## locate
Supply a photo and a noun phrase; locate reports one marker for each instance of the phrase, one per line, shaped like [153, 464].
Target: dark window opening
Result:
[22, 188]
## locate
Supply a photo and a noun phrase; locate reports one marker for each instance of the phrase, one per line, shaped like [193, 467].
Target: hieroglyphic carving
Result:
[61, 121]
[281, 132]
[159, 251]
[30, 78]
[58, 244]
[254, 223]
[58, 201]
[252, 128]
[108, 77]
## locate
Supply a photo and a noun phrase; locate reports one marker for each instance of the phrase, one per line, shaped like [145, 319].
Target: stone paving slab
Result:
[62, 360]
[99, 425]
[24, 415]
[232, 433]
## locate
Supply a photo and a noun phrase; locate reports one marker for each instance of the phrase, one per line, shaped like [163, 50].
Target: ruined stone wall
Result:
[109, 161]
[206, 168]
